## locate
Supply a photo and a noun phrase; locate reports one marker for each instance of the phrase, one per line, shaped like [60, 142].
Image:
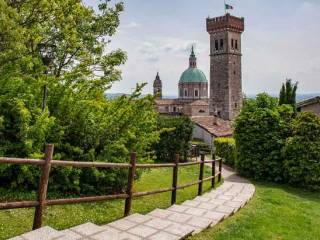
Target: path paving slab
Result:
[175, 223]
[44, 233]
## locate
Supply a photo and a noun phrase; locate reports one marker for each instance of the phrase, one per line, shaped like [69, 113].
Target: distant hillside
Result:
[300, 97]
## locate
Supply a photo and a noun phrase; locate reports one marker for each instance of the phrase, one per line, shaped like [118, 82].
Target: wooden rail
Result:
[46, 164]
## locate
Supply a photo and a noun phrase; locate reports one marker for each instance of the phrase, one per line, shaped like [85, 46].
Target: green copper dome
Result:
[193, 75]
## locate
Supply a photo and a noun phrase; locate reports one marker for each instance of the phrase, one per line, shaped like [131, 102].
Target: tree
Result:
[82, 123]
[288, 93]
[175, 137]
[260, 133]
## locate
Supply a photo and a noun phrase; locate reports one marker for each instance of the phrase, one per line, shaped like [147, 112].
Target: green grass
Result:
[17, 221]
[276, 212]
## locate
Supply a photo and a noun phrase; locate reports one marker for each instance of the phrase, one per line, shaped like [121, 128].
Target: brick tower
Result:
[225, 65]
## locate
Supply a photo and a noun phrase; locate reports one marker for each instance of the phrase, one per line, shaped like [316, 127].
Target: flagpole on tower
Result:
[225, 9]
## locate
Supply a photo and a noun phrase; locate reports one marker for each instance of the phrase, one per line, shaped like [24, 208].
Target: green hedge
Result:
[302, 152]
[203, 147]
[226, 149]
[260, 132]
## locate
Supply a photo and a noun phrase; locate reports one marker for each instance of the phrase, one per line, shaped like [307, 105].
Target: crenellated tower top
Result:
[226, 22]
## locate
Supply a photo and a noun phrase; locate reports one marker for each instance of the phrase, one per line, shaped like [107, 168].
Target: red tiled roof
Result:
[216, 126]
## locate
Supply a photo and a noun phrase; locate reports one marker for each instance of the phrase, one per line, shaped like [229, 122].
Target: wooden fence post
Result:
[220, 170]
[201, 174]
[175, 180]
[131, 175]
[213, 170]
[43, 187]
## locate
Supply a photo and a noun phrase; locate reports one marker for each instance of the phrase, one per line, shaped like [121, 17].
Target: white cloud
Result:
[132, 24]
[156, 48]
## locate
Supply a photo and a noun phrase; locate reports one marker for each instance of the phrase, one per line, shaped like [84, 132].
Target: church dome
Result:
[193, 75]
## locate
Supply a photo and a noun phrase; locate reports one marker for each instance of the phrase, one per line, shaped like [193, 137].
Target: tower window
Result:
[232, 43]
[234, 72]
[237, 44]
[186, 93]
[196, 93]
[181, 92]
[216, 43]
[221, 44]
[174, 109]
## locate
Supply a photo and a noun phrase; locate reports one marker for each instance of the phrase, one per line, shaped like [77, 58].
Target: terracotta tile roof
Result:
[199, 103]
[216, 126]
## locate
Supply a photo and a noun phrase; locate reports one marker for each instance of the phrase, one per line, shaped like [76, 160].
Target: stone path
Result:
[176, 222]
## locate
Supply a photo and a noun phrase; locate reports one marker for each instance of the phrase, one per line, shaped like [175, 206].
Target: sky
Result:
[281, 40]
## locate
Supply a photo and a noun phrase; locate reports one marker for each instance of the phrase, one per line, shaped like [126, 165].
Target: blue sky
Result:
[281, 40]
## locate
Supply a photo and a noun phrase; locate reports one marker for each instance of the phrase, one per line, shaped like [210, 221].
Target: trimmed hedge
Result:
[302, 152]
[226, 149]
[261, 130]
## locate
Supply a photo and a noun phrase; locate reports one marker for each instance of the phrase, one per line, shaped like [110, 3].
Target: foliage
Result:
[203, 147]
[288, 93]
[302, 152]
[175, 137]
[226, 149]
[260, 133]
[78, 119]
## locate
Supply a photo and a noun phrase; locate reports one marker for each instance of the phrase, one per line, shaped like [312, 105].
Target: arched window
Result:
[186, 92]
[232, 43]
[236, 44]
[221, 44]
[216, 44]
[196, 93]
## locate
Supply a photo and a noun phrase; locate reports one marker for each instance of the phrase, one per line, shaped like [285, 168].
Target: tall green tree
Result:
[82, 123]
[288, 93]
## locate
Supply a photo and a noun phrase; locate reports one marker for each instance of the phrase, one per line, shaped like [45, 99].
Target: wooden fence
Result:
[47, 163]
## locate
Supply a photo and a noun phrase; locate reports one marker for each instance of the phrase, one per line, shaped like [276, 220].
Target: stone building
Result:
[225, 65]
[192, 91]
[211, 116]
[310, 105]
[157, 87]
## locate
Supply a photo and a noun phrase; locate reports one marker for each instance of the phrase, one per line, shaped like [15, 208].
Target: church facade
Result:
[225, 99]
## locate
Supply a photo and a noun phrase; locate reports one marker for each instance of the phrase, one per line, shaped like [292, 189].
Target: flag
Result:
[227, 6]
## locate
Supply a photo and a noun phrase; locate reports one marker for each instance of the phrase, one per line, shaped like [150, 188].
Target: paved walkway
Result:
[176, 222]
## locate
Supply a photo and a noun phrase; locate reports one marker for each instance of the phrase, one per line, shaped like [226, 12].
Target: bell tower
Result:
[225, 65]
[157, 87]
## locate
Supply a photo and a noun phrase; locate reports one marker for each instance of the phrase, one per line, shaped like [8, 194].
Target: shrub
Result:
[302, 152]
[203, 147]
[175, 137]
[226, 149]
[260, 133]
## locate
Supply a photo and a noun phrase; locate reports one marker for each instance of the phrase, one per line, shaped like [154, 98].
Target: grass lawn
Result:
[18, 221]
[276, 212]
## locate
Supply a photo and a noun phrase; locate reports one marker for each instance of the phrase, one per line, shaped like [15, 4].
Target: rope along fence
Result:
[46, 164]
